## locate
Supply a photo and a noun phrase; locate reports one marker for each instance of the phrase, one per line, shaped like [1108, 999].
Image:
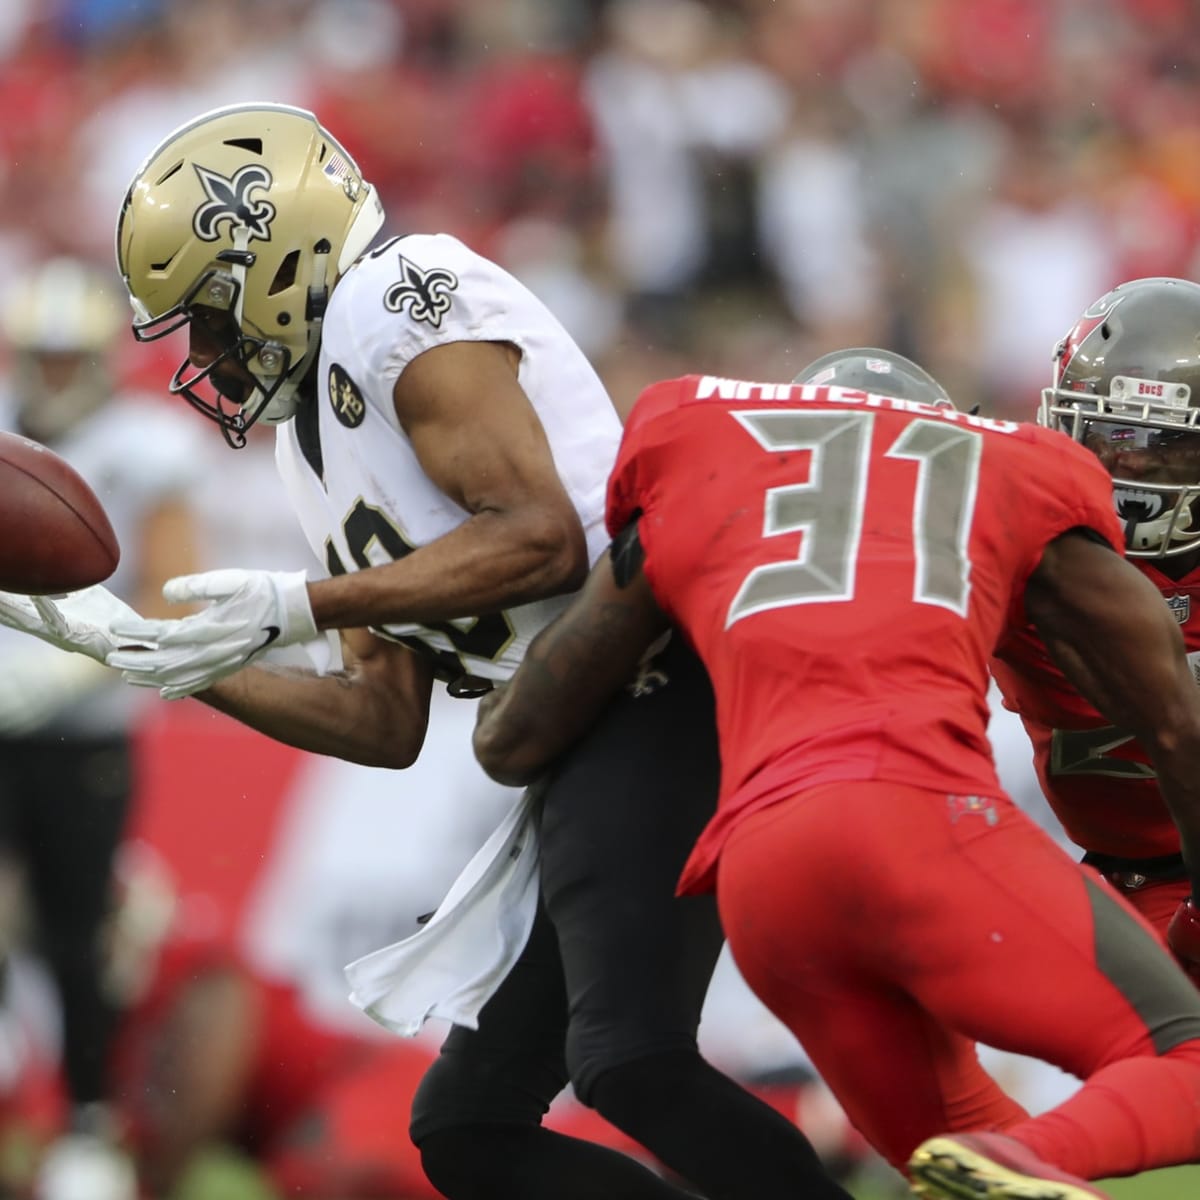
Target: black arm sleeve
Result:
[626, 553]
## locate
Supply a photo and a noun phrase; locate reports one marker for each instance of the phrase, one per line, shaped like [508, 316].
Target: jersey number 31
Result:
[829, 508]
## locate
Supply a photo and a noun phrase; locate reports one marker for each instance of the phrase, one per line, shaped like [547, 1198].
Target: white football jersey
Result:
[351, 472]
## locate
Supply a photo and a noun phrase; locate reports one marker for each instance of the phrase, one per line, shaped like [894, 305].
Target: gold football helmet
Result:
[245, 216]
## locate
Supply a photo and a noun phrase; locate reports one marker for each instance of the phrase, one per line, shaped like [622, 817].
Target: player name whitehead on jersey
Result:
[713, 387]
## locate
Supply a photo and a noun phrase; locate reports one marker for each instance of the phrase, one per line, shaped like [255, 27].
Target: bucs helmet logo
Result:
[230, 200]
[426, 294]
[1094, 317]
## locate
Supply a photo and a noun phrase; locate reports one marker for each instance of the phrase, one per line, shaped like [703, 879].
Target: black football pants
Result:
[608, 991]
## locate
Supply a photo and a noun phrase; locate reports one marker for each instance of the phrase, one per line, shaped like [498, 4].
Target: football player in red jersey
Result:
[845, 563]
[1127, 386]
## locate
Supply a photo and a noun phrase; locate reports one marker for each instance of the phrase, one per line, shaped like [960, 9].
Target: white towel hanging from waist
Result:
[451, 967]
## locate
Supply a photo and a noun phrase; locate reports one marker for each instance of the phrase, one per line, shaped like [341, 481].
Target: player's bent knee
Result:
[451, 1161]
[483, 1161]
[478, 1089]
[607, 1081]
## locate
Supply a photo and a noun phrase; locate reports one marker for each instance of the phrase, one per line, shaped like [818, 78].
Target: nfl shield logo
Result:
[1181, 606]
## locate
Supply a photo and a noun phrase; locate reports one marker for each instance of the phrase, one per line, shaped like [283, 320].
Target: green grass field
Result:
[223, 1175]
[1179, 1183]
[227, 1175]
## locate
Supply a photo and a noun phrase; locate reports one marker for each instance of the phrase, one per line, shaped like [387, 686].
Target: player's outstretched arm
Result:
[374, 711]
[478, 438]
[351, 695]
[1106, 626]
[80, 622]
[480, 441]
[570, 672]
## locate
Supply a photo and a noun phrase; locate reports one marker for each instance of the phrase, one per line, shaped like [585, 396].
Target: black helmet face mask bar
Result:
[228, 378]
[1152, 451]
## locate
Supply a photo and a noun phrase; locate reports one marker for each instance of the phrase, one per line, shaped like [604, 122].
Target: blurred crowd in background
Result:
[727, 185]
[721, 186]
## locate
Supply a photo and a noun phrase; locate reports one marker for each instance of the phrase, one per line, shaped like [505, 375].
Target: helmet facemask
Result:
[1123, 386]
[211, 388]
[239, 213]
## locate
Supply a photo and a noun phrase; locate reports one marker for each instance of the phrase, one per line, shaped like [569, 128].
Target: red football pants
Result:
[891, 927]
[1157, 902]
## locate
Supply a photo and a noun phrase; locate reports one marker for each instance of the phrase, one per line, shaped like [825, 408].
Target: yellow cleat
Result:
[990, 1166]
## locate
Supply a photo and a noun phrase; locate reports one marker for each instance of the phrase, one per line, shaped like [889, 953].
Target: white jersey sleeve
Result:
[350, 470]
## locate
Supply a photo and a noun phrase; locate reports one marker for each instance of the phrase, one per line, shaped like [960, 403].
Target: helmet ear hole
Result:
[285, 276]
[171, 170]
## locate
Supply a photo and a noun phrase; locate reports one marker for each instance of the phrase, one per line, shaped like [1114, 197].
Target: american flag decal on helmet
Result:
[337, 167]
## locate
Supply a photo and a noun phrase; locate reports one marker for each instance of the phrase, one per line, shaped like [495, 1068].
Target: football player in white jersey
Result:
[446, 447]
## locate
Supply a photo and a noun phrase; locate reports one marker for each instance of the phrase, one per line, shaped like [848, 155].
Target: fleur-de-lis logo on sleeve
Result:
[425, 294]
[231, 200]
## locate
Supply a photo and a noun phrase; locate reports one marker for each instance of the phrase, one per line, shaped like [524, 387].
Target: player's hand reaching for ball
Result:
[248, 612]
[79, 621]
[1183, 936]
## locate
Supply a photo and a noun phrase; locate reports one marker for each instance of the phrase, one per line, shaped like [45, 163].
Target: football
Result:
[56, 534]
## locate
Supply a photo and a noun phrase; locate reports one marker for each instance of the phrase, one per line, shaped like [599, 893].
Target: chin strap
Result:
[282, 404]
[315, 305]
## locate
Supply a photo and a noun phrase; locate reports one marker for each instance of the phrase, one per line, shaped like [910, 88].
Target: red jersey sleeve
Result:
[1078, 494]
[629, 476]
[1093, 503]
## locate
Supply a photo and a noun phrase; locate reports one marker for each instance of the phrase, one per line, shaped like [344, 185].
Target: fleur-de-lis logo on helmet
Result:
[426, 294]
[230, 200]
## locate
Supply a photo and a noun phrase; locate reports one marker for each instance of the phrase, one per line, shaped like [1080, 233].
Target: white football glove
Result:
[80, 621]
[250, 611]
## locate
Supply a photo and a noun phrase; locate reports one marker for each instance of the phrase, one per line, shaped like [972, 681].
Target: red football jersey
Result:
[1097, 778]
[844, 564]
